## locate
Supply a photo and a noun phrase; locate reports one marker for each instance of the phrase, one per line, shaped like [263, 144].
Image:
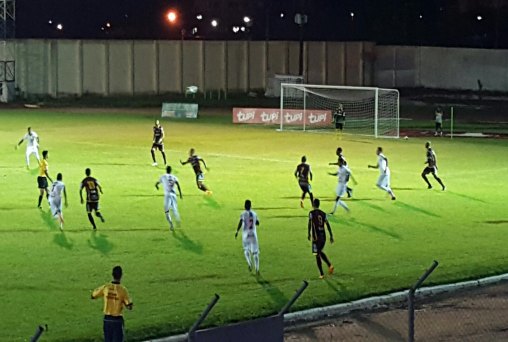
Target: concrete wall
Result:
[442, 68]
[108, 68]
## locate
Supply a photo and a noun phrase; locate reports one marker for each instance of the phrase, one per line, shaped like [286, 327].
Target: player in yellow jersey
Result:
[116, 298]
[42, 179]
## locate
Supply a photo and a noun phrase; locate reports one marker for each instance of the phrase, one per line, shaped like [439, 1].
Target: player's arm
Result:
[81, 193]
[98, 292]
[47, 175]
[353, 178]
[333, 173]
[162, 135]
[127, 301]
[157, 185]
[309, 227]
[296, 172]
[65, 196]
[204, 164]
[179, 189]
[337, 163]
[374, 166]
[310, 173]
[329, 230]
[238, 228]
[185, 162]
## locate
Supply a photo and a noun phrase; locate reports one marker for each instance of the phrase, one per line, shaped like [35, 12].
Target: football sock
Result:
[203, 187]
[325, 259]
[319, 264]
[90, 218]
[439, 181]
[99, 215]
[40, 200]
[426, 180]
[177, 215]
[164, 157]
[153, 155]
[247, 257]
[311, 198]
[256, 261]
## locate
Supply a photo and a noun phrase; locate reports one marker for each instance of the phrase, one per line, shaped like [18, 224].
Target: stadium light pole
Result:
[300, 20]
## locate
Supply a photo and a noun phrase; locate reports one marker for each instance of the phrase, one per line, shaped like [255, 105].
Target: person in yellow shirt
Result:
[42, 179]
[116, 298]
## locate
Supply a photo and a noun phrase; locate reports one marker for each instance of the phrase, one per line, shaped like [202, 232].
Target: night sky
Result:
[411, 22]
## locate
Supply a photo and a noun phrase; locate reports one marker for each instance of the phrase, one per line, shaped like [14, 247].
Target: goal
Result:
[368, 111]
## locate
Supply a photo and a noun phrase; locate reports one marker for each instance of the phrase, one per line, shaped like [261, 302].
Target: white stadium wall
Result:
[111, 67]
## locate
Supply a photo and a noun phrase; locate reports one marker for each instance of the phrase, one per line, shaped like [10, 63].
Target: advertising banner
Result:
[291, 117]
[180, 110]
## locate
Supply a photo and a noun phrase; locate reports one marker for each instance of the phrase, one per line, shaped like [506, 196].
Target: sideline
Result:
[292, 320]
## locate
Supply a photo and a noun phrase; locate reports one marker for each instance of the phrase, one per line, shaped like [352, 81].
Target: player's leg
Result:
[425, 172]
[341, 189]
[28, 152]
[167, 201]
[174, 208]
[36, 152]
[304, 191]
[434, 173]
[89, 209]
[152, 151]
[255, 255]
[246, 253]
[384, 184]
[161, 148]
[98, 212]
[319, 265]
[311, 196]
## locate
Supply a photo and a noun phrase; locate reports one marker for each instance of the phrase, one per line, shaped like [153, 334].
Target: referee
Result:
[115, 298]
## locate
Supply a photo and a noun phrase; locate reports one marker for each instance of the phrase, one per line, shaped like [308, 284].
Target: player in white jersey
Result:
[55, 199]
[32, 146]
[343, 175]
[383, 181]
[168, 182]
[248, 222]
[438, 118]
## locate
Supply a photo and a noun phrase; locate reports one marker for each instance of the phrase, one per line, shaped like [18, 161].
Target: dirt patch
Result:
[479, 314]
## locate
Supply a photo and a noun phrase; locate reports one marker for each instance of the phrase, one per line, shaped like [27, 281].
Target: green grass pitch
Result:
[381, 246]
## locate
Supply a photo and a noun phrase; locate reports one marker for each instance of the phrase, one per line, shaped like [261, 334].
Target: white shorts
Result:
[170, 202]
[384, 181]
[341, 189]
[56, 205]
[250, 243]
[32, 150]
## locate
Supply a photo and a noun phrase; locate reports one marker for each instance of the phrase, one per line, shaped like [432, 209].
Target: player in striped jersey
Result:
[304, 175]
[248, 222]
[383, 181]
[92, 188]
[316, 232]
[158, 142]
[431, 166]
[195, 161]
[168, 182]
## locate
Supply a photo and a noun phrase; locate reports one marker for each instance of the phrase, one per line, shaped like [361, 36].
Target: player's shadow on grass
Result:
[466, 197]
[273, 291]
[372, 206]
[378, 330]
[415, 209]
[496, 221]
[48, 219]
[187, 243]
[211, 202]
[61, 240]
[100, 243]
[354, 222]
[408, 189]
[336, 286]
[271, 208]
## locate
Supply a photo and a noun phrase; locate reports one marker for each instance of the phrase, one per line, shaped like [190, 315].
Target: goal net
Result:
[367, 111]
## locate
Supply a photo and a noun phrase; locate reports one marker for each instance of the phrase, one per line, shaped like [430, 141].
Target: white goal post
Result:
[368, 110]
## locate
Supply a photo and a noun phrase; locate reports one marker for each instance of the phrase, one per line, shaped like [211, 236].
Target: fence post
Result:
[294, 298]
[195, 326]
[411, 300]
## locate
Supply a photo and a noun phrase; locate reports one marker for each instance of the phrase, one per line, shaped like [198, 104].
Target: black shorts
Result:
[339, 125]
[305, 187]
[90, 206]
[318, 245]
[429, 169]
[439, 126]
[159, 147]
[42, 182]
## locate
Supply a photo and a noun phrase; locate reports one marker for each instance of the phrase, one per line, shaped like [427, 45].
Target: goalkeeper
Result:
[339, 118]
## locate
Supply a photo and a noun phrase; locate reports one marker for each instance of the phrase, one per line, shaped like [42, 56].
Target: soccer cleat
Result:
[154, 164]
[209, 192]
[444, 187]
[393, 198]
[349, 193]
[331, 269]
[102, 219]
[94, 228]
[257, 273]
[301, 204]
[250, 268]
[321, 276]
[429, 187]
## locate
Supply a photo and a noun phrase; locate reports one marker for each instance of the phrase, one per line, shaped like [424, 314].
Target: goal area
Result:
[359, 110]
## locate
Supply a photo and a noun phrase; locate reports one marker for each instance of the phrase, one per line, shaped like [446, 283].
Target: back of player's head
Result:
[191, 151]
[117, 272]
[248, 204]
[339, 150]
[316, 203]
[168, 169]
[59, 177]
[88, 172]
[29, 129]
[304, 159]
[44, 154]
[379, 149]
[427, 144]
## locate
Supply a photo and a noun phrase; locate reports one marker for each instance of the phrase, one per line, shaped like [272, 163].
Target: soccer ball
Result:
[406, 137]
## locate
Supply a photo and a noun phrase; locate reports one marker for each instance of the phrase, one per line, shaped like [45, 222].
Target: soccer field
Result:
[381, 245]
